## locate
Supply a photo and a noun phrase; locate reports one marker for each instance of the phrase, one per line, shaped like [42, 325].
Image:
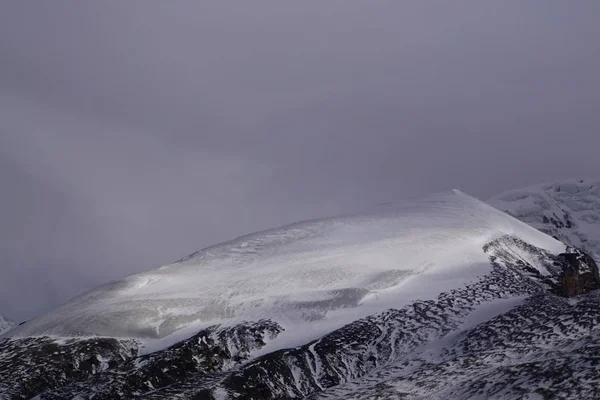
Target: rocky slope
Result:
[477, 305]
[111, 368]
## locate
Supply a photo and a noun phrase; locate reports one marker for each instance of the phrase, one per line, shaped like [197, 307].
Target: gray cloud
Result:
[133, 133]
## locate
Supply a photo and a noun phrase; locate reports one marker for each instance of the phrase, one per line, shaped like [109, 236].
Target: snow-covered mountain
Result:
[568, 210]
[5, 324]
[446, 297]
[315, 275]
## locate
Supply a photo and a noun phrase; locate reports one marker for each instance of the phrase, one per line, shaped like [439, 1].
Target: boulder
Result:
[580, 273]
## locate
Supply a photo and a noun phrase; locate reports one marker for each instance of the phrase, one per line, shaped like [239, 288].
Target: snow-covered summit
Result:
[317, 275]
[568, 210]
[411, 300]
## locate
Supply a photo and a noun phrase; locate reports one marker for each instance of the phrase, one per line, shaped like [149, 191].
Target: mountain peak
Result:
[335, 270]
[408, 300]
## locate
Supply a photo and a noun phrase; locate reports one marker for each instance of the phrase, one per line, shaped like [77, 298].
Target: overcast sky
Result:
[135, 132]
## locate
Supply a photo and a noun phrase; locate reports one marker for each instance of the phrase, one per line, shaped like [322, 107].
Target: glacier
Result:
[310, 277]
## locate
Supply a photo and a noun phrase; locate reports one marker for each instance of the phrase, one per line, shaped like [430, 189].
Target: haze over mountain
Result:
[135, 132]
[132, 133]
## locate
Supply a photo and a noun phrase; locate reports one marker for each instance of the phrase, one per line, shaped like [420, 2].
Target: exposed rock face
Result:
[568, 274]
[106, 368]
[32, 365]
[545, 348]
[580, 273]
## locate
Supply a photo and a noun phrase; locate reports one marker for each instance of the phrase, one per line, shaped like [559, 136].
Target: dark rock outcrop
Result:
[569, 274]
[580, 273]
[29, 366]
[106, 368]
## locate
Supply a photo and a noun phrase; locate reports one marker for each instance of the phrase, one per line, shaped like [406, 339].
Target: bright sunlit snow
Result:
[310, 277]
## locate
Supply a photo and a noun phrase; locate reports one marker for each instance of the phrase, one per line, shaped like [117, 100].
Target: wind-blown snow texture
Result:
[442, 298]
[318, 274]
[5, 325]
[568, 210]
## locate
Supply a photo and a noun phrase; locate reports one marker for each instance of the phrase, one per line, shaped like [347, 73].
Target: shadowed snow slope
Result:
[569, 210]
[321, 274]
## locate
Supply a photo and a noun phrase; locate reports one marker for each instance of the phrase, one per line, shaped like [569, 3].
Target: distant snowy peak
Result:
[568, 210]
[5, 325]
